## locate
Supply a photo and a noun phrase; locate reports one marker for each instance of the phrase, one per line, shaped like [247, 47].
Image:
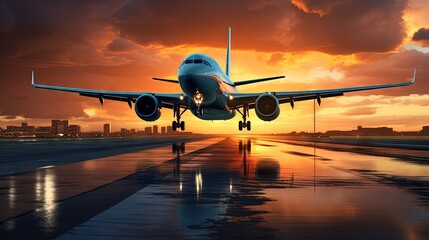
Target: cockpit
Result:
[195, 60]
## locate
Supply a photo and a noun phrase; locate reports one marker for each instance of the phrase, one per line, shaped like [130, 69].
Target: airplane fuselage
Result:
[200, 74]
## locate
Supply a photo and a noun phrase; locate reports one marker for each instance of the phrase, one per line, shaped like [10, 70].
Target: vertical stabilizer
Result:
[228, 53]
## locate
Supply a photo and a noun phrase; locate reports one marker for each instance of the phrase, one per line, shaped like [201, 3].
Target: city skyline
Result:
[61, 128]
[117, 51]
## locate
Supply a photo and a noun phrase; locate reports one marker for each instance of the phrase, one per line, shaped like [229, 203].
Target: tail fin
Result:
[228, 53]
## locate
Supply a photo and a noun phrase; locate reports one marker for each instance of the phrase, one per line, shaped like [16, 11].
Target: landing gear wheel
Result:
[178, 114]
[174, 125]
[244, 124]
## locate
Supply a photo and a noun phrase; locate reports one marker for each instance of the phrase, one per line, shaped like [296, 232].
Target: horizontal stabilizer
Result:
[166, 80]
[257, 80]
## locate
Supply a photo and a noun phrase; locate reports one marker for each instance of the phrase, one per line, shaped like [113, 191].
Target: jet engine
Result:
[147, 107]
[267, 107]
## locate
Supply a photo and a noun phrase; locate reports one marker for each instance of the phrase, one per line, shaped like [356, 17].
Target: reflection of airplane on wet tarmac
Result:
[210, 94]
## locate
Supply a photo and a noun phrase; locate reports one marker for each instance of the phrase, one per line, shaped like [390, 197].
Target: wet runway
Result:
[255, 187]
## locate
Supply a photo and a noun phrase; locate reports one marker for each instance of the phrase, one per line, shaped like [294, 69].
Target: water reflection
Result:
[198, 183]
[178, 148]
[274, 196]
[10, 225]
[268, 169]
[46, 194]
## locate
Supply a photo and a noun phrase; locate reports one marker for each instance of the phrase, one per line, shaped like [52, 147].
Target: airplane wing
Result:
[166, 80]
[167, 99]
[237, 100]
[244, 82]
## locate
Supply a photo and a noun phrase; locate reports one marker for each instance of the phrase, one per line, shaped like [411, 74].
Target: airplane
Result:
[210, 94]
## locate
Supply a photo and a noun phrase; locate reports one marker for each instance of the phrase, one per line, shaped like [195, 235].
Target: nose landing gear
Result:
[198, 99]
[244, 124]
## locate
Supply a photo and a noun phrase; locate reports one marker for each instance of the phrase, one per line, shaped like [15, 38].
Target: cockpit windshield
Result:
[197, 61]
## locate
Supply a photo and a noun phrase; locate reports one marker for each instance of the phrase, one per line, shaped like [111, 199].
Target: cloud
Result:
[10, 117]
[361, 111]
[121, 45]
[314, 6]
[352, 25]
[421, 34]
[53, 33]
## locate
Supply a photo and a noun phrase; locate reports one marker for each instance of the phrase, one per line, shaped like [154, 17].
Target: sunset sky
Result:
[121, 45]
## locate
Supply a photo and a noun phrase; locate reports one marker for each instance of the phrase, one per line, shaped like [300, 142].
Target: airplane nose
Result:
[192, 69]
[193, 83]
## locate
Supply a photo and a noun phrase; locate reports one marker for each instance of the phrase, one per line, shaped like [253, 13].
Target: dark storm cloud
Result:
[48, 33]
[53, 32]
[421, 35]
[340, 27]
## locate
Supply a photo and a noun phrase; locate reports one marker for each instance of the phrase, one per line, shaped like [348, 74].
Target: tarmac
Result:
[212, 187]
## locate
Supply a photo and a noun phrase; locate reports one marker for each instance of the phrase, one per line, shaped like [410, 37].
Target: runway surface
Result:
[212, 187]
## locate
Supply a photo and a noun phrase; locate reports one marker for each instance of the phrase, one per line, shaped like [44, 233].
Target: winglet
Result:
[32, 78]
[414, 77]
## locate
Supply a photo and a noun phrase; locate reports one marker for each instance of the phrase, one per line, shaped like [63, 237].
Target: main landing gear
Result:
[178, 124]
[244, 124]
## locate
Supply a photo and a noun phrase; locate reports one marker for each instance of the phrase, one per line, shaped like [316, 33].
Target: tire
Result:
[240, 125]
[174, 125]
[182, 126]
[248, 126]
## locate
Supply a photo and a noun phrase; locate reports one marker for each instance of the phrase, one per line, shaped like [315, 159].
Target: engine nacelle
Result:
[267, 107]
[147, 107]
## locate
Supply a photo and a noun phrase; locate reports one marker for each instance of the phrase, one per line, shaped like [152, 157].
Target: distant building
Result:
[54, 126]
[379, 131]
[65, 127]
[424, 131]
[163, 132]
[24, 127]
[170, 130]
[107, 129]
[74, 130]
[148, 130]
[60, 127]
[124, 131]
[155, 129]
